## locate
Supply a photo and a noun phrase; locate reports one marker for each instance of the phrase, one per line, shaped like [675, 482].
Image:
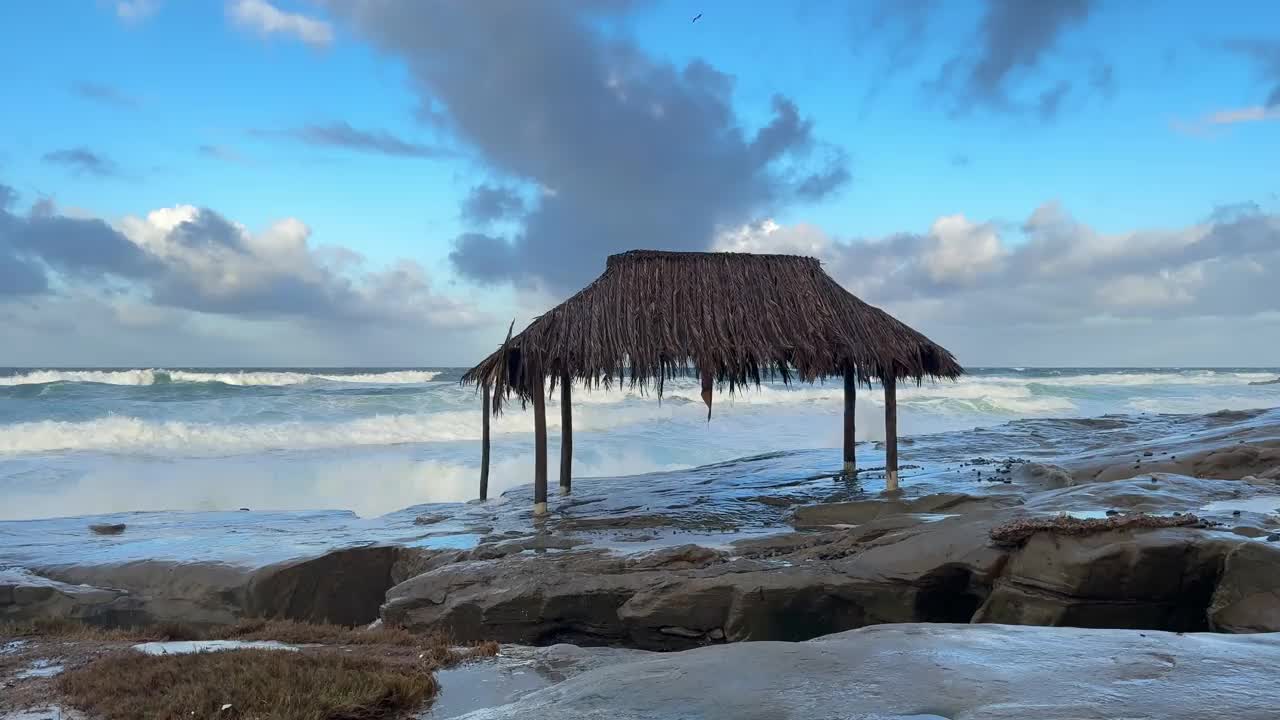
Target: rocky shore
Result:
[764, 550]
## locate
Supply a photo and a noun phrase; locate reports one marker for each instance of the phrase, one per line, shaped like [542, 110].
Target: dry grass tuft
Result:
[68, 629]
[340, 673]
[1017, 532]
[260, 684]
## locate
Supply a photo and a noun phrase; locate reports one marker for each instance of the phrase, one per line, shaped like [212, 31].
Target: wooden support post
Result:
[890, 432]
[484, 445]
[566, 434]
[539, 447]
[850, 397]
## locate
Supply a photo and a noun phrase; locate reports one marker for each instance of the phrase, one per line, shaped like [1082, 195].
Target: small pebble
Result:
[1273, 537]
[1112, 512]
[1235, 513]
[1148, 454]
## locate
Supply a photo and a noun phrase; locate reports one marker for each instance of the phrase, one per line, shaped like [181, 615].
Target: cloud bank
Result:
[977, 284]
[178, 261]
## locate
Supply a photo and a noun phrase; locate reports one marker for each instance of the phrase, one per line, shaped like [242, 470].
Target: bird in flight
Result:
[695, 17]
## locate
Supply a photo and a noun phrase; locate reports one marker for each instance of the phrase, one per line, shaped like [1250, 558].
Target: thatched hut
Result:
[731, 319]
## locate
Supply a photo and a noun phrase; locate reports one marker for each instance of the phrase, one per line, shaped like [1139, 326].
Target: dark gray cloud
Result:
[83, 248]
[19, 275]
[343, 135]
[1265, 55]
[32, 245]
[628, 151]
[490, 203]
[1014, 37]
[82, 160]
[208, 230]
[485, 258]
[105, 95]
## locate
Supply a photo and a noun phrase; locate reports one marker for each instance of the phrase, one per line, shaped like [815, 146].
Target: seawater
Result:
[373, 440]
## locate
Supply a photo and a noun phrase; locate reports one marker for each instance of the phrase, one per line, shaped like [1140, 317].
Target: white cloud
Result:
[770, 237]
[214, 265]
[1055, 291]
[186, 284]
[1162, 289]
[136, 10]
[266, 19]
[962, 250]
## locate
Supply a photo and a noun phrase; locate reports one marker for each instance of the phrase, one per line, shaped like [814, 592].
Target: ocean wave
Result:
[1130, 379]
[121, 434]
[237, 377]
[975, 395]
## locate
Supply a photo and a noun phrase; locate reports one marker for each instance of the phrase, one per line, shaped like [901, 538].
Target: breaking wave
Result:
[234, 377]
[119, 434]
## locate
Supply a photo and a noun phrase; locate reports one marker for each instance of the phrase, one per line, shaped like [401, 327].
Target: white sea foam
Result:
[107, 377]
[967, 395]
[119, 434]
[1129, 379]
[369, 484]
[245, 378]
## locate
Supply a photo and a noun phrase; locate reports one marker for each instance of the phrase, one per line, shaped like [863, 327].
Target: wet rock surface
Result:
[955, 672]
[762, 548]
[517, 671]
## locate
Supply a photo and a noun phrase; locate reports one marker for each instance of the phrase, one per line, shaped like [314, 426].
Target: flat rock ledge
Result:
[931, 672]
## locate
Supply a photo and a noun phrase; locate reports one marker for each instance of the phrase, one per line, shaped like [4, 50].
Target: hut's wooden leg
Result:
[566, 434]
[890, 433]
[539, 449]
[484, 446]
[850, 396]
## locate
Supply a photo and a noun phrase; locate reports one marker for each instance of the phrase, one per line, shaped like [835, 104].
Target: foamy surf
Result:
[133, 435]
[239, 377]
[82, 440]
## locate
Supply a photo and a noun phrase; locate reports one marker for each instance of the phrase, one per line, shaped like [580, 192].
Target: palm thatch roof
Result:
[735, 318]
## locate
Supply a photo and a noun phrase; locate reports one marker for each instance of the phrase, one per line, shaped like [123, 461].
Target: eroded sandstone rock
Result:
[1247, 597]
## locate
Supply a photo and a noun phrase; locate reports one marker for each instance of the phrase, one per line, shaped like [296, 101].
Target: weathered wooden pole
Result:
[890, 431]
[850, 396]
[484, 445]
[566, 434]
[539, 447]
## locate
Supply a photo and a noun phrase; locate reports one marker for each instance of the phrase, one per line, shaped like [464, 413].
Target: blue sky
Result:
[372, 122]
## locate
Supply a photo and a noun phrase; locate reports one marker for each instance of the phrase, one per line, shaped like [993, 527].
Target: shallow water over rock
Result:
[187, 647]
